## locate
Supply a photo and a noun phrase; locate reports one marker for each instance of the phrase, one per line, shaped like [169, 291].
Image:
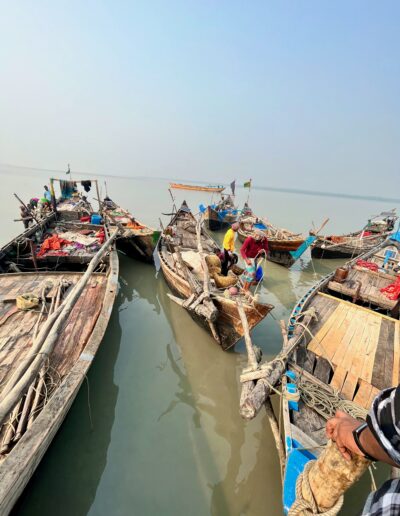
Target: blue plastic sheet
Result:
[260, 225]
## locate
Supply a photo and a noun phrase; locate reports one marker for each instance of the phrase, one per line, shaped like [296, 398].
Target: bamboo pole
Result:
[270, 374]
[33, 252]
[26, 207]
[249, 386]
[251, 356]
[276, 435]
[46, 340]
[206, 281]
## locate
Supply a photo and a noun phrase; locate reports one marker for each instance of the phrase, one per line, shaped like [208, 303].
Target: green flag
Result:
[247, 184]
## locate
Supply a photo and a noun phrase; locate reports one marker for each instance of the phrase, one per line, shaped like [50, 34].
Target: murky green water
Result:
[166, 436]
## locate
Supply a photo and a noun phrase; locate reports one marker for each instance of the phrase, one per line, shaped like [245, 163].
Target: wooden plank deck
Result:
[363, 347]
[16, 326]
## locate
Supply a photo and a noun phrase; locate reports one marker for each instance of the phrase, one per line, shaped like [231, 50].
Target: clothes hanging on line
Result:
[87, 185]
[67, 189]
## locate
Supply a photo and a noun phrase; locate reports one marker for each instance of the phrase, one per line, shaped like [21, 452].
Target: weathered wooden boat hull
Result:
[214, 223]
[347, 246]
[178, 186]
[317, 251]
[19, 465]
[219, 315]
[351, 349]
[229, 327]
[139, 247]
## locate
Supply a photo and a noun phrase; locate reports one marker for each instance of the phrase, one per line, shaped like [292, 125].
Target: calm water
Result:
[167, 437]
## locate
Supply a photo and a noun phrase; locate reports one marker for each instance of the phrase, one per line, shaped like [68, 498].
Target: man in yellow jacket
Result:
[228, 247]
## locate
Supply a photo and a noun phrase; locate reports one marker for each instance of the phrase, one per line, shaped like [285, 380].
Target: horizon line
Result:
[297, 191]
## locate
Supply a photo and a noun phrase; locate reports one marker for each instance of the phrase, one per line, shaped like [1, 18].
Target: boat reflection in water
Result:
[231, 456]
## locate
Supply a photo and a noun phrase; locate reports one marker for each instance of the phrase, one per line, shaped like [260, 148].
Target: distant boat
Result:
[137, 240]
[222, 214]
[354, 244]
[209, 188]
[281, 242]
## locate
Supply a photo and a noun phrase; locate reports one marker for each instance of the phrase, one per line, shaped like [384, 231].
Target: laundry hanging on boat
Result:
[87, 185]
[67, 189]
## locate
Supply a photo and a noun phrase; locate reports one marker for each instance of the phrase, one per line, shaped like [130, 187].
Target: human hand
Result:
[340, 430]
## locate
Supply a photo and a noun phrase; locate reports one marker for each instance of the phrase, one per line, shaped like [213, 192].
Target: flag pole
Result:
[248, 195]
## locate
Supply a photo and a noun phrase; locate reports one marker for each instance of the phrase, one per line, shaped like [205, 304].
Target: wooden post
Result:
[248, 386]
[273, 423]
[268, 375]
[251, 356]
[98, 198]
[206, 279]
[33, 252]
[53, 195]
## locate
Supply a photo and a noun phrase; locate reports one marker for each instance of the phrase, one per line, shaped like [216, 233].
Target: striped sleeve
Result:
[384, 421]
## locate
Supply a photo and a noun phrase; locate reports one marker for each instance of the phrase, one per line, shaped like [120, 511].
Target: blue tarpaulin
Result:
[260, 225]
[395, 236]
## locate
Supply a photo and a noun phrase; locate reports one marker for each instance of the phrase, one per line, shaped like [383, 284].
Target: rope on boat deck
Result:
[309, 507]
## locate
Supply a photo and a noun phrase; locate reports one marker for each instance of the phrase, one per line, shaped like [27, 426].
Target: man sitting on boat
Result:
[228, 248]
[376, 440]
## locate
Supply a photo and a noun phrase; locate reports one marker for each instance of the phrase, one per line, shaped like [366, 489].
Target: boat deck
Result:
[17, 326]
[365, 285]
[363, 346]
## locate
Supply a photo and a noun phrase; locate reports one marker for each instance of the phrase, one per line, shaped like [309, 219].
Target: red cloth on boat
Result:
[101, 236]
[367, 265]
[365, 234]
[252, 247]
[53, 243]
[392, 291]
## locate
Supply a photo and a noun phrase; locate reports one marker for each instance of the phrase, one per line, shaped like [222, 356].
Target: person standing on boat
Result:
[228, 246]
[377, 439]
[47, 194]
[254, 245]
[26, 217]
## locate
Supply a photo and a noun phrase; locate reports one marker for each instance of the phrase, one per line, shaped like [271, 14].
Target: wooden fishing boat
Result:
[135, 239]
[358, 242]
[199, 188]
[342, 348]
[281, 242]
[193, 276]
[221, 215]
[53, 318]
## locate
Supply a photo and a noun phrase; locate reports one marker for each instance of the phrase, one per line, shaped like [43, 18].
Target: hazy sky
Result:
[291, 93]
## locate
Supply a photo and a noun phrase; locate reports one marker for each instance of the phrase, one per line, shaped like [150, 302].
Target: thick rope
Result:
[309, 507]
[326, 403]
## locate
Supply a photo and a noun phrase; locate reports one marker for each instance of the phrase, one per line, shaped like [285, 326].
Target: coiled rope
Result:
[309, 507]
